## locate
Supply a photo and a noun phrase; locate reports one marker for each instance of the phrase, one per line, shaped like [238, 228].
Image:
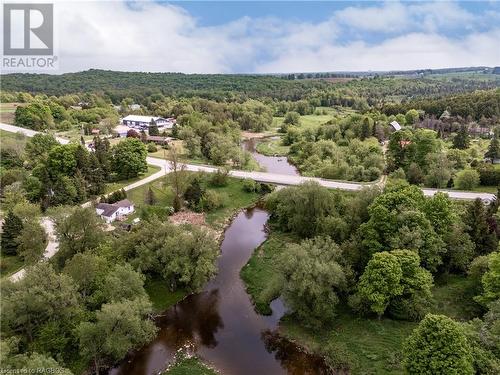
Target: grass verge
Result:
[161, 296]
[112, 186]
[190, 366]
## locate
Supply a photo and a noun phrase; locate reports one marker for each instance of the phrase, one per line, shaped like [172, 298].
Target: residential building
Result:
[144, 122]
[110, 212]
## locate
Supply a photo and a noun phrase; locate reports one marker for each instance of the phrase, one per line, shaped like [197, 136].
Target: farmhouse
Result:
[144, 122]
[110, 212]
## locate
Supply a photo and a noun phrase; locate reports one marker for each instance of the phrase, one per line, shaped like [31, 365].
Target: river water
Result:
[272, 164]
[220, 323]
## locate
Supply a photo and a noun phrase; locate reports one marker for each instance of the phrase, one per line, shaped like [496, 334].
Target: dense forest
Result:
[118, 85]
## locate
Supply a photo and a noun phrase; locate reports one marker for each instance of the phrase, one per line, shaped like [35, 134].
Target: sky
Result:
[275, 37]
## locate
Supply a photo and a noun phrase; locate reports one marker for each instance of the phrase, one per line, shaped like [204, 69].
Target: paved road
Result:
[270, 177]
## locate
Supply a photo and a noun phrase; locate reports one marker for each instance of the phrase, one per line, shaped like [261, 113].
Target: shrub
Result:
[220, 178]
[212, 200]
[250, 186]
[152, 147]
[467, 179]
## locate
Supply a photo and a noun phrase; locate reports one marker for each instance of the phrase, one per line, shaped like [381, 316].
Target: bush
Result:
[489, 176]
[250, 186]
[220, 178]
[467, 179]
[212, 200]
[152, 147]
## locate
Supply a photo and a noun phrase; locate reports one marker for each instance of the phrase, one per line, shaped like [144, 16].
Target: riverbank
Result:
[364, 345]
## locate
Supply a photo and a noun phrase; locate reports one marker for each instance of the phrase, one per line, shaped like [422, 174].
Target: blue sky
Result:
[280, 36]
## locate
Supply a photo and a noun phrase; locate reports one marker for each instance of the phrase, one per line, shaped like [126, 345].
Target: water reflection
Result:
[272, 164]
[221, 324]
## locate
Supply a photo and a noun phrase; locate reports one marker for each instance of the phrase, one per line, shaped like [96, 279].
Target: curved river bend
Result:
[220, 323]
[272, 164]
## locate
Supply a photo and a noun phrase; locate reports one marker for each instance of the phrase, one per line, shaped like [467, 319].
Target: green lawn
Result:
[368, 346]
[259, 274]
[234, 198]
[113, 186]
[190, 366]
[160, 295]
[10, 264]
[453, 297]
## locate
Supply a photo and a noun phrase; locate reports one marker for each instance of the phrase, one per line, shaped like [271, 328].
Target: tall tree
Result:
[129, 158]
[153, 128]
[493, 151]
[12, 228]
[461, 140]
[179, 178]
[476, 220]
[380, 282]
[32, 241]
[314, 274]
[118, 327]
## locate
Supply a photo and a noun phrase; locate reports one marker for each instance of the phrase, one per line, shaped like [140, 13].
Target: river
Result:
[220, 323]
[272, 164]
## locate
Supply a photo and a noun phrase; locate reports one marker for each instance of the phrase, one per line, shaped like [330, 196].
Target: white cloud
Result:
[153, 37]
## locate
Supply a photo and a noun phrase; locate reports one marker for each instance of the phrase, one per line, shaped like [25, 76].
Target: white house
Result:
[395, 125]
[109, 212]
[144, 122]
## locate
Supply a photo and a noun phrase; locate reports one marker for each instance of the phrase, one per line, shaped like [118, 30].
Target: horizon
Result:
[279, 37]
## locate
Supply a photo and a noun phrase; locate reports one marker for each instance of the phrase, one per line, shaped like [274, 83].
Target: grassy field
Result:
[233, 195]
[161, 296]
[112, 186]
[190, 366]
[10, 264]
[7, 111]
[371, 346]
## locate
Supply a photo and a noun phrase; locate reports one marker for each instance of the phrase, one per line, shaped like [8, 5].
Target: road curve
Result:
[50, 250]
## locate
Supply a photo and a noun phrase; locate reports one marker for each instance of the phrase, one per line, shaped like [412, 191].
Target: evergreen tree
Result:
[476, 219]
[12, 228]
[150, 197]
[493, 149]
[153, 128]
[462, 139]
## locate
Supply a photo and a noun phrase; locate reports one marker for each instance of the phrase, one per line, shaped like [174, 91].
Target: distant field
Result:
[7, 111]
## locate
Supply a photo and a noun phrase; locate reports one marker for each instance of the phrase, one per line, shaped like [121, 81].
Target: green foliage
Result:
[11, 229]
[129, 158]
[467, 179]
[32, 240]
[184, 258]
[314, 274]
[292, 118]
[77, 231]
[42, 296]
[117, 328]
[380, 282]
[476, 220]
[438, 346]
[461, 140]
[493, 151]
[36, 116]
[490, 281]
